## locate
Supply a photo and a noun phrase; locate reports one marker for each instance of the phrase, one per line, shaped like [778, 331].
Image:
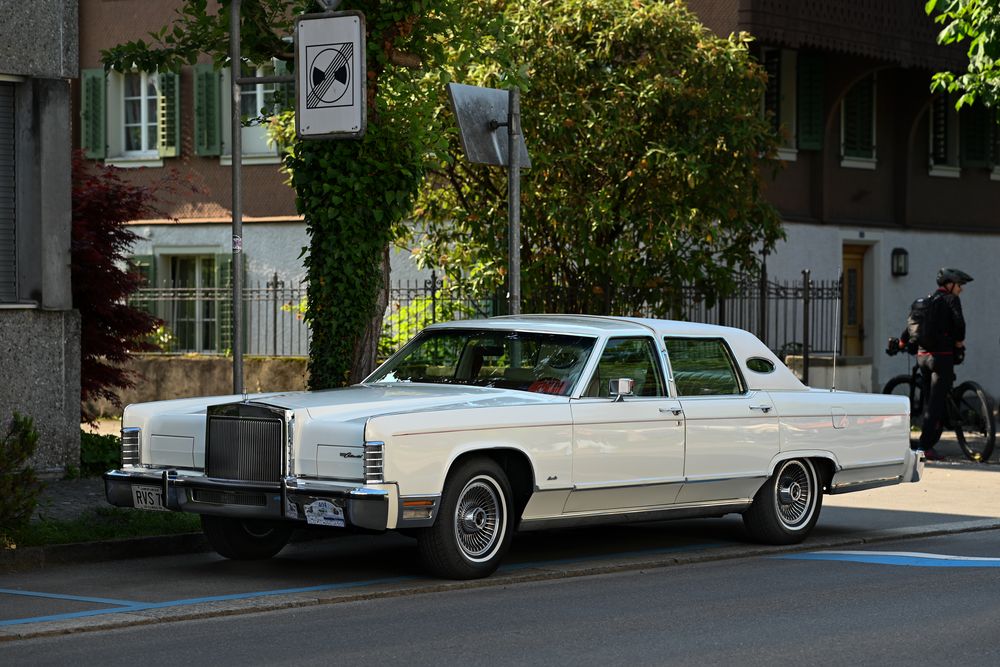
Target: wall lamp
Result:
[899, 262]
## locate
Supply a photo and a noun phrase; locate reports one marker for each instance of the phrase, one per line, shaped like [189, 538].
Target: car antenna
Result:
[836, 328]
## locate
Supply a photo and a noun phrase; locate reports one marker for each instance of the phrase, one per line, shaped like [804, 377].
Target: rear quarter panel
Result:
[857, 430]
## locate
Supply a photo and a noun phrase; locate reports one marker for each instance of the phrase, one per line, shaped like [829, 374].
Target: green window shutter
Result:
[975, 127]
[995, 137]
[207, 114]
[93, 118]
[168, 142]
[145, 265]
[772, 92]
[809, 101]
[859, 127]
[939, 129]
[286, 96]
[224, 320]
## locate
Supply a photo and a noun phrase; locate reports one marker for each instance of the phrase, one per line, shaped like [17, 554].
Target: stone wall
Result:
[162, 377]
[40, 377]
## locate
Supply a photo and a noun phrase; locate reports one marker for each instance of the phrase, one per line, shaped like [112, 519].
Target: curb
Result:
[18, 560]
[380, 590]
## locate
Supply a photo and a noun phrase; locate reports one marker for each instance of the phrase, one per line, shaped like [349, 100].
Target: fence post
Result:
[805, 324]
[762, 306]
[274, 284]
[434, 289]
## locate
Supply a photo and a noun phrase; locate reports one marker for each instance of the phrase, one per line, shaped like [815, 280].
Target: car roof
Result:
[593, 325]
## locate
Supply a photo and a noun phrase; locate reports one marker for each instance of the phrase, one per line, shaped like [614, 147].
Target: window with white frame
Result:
[130, 118]
[213, 112]
[139, 114]
[190, 289]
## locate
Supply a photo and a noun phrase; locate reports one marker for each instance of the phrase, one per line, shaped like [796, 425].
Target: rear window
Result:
[703, 367]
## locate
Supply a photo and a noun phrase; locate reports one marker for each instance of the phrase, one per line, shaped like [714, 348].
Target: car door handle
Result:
[763, 408]
[674, 411]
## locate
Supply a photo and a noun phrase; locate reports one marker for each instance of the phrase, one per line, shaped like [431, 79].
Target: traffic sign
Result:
[330, 74]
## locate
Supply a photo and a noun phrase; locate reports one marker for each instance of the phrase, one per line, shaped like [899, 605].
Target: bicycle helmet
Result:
[946, 276]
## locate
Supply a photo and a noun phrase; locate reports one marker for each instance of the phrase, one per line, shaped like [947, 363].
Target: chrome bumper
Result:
[363, 507]
[913, 465]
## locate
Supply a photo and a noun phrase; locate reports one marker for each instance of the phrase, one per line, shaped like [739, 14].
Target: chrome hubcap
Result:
[795, 494]
[479, 518]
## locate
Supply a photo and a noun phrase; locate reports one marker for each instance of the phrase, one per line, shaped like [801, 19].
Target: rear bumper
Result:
[362, 507]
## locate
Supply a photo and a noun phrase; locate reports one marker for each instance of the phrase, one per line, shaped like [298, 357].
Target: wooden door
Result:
[853, 308]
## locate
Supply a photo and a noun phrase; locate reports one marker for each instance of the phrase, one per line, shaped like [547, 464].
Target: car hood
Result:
[362, 401]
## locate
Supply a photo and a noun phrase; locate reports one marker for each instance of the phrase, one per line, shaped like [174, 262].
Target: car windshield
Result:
[526, 361]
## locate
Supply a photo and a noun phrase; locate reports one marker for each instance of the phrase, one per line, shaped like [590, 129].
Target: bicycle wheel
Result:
[972, 419]
[901, 386]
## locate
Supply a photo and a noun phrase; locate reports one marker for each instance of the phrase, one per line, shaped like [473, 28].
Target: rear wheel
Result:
[972, 420]
[245, 539]
[787, 507]
[901, 386]
[474, 527]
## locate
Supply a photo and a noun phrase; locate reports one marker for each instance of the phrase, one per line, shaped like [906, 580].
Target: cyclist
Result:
[940, 348]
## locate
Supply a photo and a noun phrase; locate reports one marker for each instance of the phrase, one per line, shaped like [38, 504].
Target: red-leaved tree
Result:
[111, 330]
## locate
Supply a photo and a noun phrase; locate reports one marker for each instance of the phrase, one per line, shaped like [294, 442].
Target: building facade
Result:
[39, 330]
[876, 171]
[882, 181]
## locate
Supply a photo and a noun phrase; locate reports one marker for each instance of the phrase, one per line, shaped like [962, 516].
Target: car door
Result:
[627, 453]
[732, 433]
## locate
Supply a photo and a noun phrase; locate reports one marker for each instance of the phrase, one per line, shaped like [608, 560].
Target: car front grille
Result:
[229, 498]
[244, 448]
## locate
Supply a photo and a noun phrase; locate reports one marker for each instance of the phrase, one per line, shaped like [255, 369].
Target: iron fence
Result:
[199, 319]
[791, 317]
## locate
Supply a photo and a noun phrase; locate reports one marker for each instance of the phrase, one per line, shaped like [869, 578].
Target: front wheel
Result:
[245, 539]
[787, 507]
[473, 529]
[972, 420]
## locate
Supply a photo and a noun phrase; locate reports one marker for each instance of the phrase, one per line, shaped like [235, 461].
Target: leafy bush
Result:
[110, 329]
[98, 453]
[19, 488]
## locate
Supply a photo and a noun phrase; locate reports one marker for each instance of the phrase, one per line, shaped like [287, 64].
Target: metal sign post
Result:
[514, 199]
[337, 74]
[235, 63]
[480, 113]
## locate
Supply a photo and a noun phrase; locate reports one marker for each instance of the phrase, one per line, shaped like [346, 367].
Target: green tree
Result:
[977, 21]
[647, 144]
[354, 195]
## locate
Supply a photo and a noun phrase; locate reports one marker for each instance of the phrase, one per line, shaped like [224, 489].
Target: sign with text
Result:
[330, 74]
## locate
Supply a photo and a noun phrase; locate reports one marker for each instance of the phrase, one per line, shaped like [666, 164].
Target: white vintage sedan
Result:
[476, 429]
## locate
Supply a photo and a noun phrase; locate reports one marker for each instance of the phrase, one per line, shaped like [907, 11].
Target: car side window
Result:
[702, 367]
[634, 358]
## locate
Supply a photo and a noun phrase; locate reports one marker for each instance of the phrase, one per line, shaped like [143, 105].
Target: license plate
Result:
[148, 498]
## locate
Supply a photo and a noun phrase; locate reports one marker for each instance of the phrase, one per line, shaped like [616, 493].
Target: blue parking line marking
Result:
[125, 606]
[145, 606]
[72, 598]
[904, 558]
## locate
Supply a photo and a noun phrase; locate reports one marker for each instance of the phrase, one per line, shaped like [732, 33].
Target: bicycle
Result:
[968, 412]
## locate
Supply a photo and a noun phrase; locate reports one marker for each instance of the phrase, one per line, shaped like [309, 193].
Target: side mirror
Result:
[620, 388]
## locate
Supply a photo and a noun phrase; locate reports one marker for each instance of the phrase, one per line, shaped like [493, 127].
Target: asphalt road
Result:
[807, 608]
[336, 578]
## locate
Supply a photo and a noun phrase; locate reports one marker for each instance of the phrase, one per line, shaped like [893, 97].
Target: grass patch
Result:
[105, 523]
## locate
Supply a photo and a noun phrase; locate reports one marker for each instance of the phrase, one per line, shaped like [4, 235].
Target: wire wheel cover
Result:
[479, 518]
[795, 497]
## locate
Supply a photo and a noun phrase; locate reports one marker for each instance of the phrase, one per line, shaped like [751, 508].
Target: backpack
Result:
[920, 328]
